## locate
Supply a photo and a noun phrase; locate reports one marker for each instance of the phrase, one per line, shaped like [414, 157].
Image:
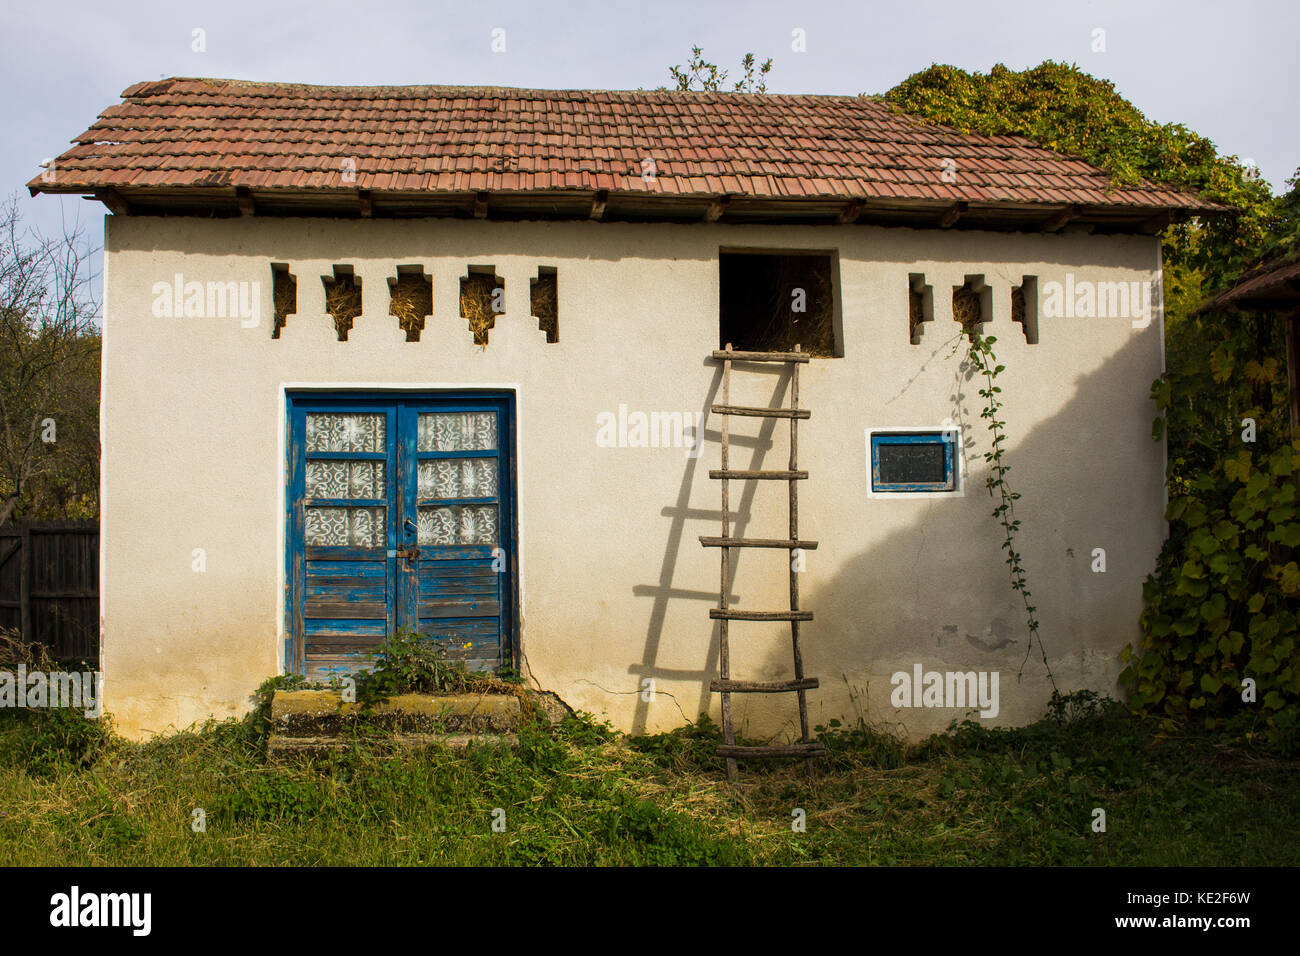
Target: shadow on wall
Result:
[751, 450]
[937, 592]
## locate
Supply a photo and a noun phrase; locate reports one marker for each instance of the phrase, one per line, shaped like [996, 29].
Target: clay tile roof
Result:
[1273, 285]
[179, 133]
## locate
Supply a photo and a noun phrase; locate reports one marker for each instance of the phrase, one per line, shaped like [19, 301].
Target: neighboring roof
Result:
[1272, 286]
[186, 145]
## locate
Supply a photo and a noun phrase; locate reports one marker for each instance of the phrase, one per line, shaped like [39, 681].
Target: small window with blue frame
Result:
[913, 462]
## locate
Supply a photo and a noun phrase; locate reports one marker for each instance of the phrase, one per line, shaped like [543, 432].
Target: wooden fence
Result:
[49, 585]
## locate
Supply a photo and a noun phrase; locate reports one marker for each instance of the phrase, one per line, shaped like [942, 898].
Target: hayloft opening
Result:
[1024, 307]
[342, 299]
[920, 305]
[544, 303]
[482, 299]
[410, 299]
[284, 295]
[772, 301]
[972, 305]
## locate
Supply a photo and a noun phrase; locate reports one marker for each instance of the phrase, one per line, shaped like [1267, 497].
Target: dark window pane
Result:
[911, 463]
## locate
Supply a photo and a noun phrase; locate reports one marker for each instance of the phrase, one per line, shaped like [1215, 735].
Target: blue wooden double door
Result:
[400, 520]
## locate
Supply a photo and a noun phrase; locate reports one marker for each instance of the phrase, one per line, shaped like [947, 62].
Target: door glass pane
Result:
[346, 431]
[458, 524]
[346, 479]
[458, 431]
[346, 527]
[458, 478]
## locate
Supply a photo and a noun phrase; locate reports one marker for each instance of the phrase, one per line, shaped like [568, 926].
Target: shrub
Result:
[409, 662]
[1224, 605]
[48, 739]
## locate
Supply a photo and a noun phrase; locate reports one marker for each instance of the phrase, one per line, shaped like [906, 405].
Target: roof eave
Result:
[632, 205]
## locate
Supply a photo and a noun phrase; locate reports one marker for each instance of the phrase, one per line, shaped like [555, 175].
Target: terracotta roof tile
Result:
[180, 132]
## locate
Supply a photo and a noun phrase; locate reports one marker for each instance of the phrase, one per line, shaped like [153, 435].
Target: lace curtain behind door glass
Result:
[458, 524]
[458, 431]
[333, 526]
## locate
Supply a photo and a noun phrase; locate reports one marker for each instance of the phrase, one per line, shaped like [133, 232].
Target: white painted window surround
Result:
[959, 461]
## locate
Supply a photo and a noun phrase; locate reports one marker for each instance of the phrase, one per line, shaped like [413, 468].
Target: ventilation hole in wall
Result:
[920, 306]
[482, 299]
[1024, 307]
[971, 305]
[342, 299]
[410, 299]
[284, 295]
[544, 302]
[772, 301]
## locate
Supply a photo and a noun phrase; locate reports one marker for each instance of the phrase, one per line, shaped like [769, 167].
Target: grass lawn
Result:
[581, 794]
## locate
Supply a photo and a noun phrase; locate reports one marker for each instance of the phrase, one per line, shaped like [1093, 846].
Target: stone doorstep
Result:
[322, 713]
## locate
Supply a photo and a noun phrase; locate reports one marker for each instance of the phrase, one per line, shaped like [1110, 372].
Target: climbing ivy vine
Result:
[983, 362]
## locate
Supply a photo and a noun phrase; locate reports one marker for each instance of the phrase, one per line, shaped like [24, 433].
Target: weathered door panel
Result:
[463, 504]
[342, 509]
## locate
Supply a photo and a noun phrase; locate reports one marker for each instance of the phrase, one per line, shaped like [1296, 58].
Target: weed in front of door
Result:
[409, 662]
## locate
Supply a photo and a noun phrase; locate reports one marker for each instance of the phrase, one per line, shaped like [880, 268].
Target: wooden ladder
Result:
[725, 614]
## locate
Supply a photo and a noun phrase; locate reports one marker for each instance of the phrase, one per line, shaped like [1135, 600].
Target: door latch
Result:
[411, 554]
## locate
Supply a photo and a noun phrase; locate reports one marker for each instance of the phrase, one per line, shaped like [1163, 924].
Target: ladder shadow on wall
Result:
[685, 518]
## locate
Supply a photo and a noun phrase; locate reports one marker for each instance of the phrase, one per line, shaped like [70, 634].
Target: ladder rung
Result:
[761, 412]
[724, 686]
[727, 614]
[788, 750]
[761, 356]
[759, 475]
[757, 543]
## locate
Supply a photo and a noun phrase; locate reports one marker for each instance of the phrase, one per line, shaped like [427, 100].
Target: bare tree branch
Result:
[49, 355]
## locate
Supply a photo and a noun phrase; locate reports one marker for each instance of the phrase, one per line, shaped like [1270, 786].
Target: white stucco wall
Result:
[615, 584]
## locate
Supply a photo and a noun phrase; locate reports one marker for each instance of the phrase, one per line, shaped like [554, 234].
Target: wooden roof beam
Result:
[952, 214]
[365, 203]
[111, 198]
[1155, 224]
[850, 212]
[1058, 219]
[598, 203]
[1293, 368]
[716, 208]
[244, 197]
[480, 205]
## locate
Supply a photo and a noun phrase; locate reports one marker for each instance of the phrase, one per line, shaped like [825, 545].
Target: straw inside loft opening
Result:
[411, 300]
[342, 299]
[481, 300]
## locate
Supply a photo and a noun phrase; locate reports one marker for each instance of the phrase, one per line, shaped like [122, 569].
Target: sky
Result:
[1226, 70]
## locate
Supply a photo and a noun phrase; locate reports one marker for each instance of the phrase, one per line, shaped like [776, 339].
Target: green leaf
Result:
[1256, 485]
[1225, 531]
[1288, 534]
